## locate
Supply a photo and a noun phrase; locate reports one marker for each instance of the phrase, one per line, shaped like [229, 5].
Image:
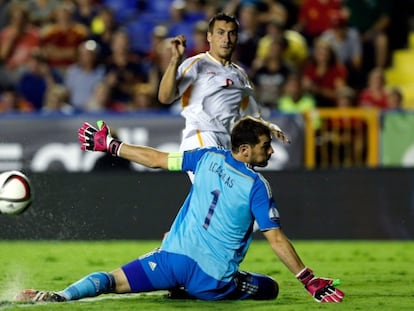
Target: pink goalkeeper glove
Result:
[98, 140]
[321, 289]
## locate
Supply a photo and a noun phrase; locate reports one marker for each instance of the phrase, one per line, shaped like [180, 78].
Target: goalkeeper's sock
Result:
[91, 285]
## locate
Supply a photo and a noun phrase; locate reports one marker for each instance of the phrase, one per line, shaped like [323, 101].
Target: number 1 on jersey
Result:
[213, 204]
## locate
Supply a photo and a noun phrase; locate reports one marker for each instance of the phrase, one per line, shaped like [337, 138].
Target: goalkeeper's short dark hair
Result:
[247, 131]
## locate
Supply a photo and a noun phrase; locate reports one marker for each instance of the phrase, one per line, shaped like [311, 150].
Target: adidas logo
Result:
[152, 265]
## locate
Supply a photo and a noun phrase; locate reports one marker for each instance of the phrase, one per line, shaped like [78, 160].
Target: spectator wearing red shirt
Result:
[346, 41]
[17, 41]
[315, 16]
[375, 94]
[61, 39]
[324, 74]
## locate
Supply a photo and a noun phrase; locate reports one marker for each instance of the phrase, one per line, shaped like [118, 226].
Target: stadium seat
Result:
[124, 10]
[158, 10]
[183, 28]
[399, 75]
[401, 58]
[140, 32]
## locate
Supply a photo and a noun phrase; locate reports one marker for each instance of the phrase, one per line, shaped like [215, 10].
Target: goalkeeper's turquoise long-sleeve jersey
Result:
[214, 225]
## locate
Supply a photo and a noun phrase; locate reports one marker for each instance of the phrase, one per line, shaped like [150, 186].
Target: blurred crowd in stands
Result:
[72, 56]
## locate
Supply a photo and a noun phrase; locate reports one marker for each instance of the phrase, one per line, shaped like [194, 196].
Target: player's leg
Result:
[132, 277]
[254, 286]
[121, 282]
[91, 285]
[153, 271]
[98, 283]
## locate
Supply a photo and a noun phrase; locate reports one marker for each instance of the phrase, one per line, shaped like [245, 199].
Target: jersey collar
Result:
[216, 61]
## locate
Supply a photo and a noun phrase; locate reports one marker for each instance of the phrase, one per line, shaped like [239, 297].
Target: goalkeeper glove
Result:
[100, 139]
[321, 289]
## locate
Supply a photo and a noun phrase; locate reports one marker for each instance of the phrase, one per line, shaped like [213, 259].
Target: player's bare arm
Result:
[321, 289]
[168, 91]
[284, 250]
[143, 155]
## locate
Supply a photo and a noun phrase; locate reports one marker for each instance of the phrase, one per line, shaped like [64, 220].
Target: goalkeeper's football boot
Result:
[32, 295]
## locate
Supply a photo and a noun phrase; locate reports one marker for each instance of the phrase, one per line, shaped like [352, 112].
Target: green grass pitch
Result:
[375, 275]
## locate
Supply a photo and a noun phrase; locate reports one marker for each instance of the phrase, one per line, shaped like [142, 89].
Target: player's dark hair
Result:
[223, 17]
[247, 131]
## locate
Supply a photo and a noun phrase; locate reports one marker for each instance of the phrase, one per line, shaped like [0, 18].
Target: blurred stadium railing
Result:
[345, 137]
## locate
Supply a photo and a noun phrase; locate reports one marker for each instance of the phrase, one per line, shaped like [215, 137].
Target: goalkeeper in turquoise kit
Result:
[209, 238]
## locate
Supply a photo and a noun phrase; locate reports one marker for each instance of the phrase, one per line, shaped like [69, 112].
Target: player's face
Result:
[222, 40]
[261, 153]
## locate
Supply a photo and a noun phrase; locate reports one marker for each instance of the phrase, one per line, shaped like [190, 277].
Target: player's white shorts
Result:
[192, 139]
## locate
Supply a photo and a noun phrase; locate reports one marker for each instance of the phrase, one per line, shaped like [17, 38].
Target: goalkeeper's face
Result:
[261, 152]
